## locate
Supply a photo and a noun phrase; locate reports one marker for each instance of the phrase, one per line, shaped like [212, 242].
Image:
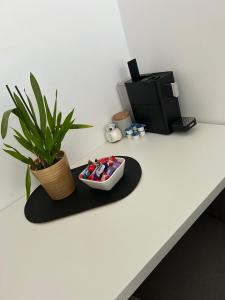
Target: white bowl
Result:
[108, 184]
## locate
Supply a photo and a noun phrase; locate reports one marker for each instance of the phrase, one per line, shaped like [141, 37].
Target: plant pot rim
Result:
[52, 166]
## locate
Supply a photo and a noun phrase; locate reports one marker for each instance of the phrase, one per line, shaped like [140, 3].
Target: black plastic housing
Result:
[152, 101]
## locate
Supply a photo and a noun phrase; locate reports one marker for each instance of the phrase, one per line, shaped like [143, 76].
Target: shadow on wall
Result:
[125, 103]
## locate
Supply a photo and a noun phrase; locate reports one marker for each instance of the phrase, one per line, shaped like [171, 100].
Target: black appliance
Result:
[154, 101]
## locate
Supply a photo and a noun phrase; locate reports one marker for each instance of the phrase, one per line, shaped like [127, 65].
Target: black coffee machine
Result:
[154, 101]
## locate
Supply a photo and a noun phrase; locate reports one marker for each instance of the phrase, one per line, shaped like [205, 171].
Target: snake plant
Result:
[42, 130]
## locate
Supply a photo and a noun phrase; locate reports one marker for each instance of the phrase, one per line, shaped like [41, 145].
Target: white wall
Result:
[187, 37]
[76, 46]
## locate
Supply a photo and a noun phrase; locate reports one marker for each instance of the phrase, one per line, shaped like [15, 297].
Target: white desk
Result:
[106, 253]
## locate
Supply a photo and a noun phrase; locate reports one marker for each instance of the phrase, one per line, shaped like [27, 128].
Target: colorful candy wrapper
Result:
[101, 169]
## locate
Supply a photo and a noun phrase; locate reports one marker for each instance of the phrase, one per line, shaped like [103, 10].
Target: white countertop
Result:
[104, 254]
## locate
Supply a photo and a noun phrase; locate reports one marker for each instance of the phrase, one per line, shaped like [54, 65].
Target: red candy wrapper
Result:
[91, 168]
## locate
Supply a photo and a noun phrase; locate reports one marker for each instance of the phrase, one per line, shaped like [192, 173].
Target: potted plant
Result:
[42, 133]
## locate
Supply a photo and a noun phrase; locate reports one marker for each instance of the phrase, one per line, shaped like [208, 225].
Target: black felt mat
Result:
[194, 269]
[41, 208]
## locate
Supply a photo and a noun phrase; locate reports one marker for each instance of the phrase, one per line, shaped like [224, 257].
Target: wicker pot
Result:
[57, 180]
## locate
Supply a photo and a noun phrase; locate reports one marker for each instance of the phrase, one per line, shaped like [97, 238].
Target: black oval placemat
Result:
[41, 208]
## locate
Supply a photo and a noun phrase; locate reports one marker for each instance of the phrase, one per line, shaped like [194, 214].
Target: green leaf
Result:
[48, 140]
[26, 132]
[17, 113]
[10, 93]
[33, 139]
[80, 126]
[56, 138]
[38, 147]
[28, 182]
[25, 143]
[36, 141]
[16, 154]
[68, 119]
[55, 108]
[49, 115]
[59, 118]
[24, 103]
[66, 125]
[38, 144]
[31, 107]
[19, 154]
[5, 120]
[24, 116]
[10, 147]
[43, 154]
[40, 102]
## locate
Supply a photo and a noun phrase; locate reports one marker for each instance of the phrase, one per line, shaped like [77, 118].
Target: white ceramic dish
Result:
[108, 184]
